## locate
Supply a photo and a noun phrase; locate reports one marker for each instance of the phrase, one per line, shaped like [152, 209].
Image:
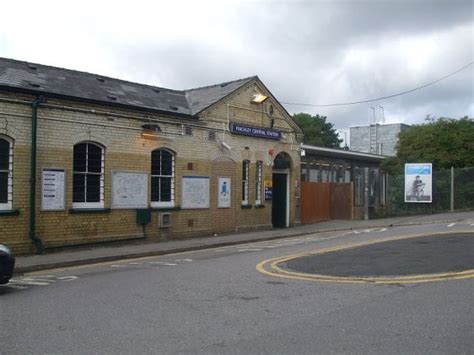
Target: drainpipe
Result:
[37, 242]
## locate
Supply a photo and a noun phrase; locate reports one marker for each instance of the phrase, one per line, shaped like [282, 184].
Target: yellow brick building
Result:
[111, 160]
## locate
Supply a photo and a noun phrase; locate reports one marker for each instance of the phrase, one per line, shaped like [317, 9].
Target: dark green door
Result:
[279, 200]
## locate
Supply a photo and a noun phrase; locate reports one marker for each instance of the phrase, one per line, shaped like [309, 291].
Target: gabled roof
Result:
[19, 76]
[201, 98]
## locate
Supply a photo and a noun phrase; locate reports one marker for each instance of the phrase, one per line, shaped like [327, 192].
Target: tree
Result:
[444, 142]
[317, 131]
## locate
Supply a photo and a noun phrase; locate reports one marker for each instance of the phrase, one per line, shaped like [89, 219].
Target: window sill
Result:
[259, 206]
[12, 212]
[246, 207]
[174, 208]
[88, 210]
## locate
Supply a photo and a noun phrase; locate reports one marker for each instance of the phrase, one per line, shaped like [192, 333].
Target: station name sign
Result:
[257, 132]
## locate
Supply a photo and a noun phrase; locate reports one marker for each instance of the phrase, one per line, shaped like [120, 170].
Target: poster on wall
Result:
[129, 189]
[195, 192]
[223, 193]
[418, 183]
[52, 189]
[268, 184]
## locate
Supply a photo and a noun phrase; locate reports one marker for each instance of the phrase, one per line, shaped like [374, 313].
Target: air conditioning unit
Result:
[164, 220]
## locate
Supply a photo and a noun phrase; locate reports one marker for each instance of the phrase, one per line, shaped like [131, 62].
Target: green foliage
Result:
[317, 131]
[446, 143]
[392, 166]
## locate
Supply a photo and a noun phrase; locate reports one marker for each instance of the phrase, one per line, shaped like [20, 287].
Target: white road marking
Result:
[135, 263]
[68, 278]
[184, 260]
[40, 279]
[271, 246]
[43, 280]
[118, 265]
[244, 250]
[29, 282]
[356, 232]
[450, 225]
[162, 263]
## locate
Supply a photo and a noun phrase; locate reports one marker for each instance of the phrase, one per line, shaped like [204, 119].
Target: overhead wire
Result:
[383, 97]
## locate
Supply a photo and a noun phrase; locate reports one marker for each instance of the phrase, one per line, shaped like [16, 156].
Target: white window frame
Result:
[166, 204]
[100, 204]
[258, 182]
[8, 205]
[245, 182]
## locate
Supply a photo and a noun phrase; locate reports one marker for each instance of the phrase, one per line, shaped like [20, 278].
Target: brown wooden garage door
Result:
[324, 201]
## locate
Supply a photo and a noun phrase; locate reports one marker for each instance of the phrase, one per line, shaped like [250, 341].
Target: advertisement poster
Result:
[268, 184]
[418, 183]
[223, 193]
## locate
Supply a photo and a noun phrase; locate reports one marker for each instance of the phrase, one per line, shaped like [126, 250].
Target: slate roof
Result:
[65, 83]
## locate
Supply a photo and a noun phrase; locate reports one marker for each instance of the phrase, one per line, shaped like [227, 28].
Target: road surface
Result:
[218, 301]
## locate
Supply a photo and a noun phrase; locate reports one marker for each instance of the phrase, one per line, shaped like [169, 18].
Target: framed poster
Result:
[223, 193]
[53, 186]
[268, 184]
[418, 183]
[129, 189]
[195, 192]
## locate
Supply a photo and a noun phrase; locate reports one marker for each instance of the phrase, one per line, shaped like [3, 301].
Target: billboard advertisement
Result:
[418, 183]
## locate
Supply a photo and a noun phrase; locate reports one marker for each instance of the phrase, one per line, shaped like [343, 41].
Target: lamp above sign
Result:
[258, 132]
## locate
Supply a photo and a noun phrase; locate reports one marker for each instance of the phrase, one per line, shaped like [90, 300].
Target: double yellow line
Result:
[272, 267]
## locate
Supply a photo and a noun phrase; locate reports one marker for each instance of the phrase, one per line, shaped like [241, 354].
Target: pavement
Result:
[103, 253]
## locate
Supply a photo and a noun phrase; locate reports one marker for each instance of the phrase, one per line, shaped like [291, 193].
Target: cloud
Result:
[305, 51]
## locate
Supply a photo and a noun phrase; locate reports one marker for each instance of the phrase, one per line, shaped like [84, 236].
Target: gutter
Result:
[36, 240]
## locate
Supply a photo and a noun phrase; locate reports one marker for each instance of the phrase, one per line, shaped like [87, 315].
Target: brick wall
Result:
[62, 124]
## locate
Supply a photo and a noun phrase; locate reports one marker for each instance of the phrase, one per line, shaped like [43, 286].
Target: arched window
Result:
[162, 178]
[6, 173]
[88, 176]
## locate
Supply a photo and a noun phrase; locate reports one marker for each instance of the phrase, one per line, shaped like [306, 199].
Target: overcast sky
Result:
[314, 52]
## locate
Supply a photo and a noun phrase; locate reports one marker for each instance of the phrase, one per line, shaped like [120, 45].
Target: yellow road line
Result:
[271, 267]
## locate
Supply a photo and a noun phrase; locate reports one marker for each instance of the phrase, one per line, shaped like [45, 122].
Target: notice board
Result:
[195, 192]
[129, 189]
[53, 189]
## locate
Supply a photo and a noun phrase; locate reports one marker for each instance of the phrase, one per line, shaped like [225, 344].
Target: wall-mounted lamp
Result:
[258, 98]
[150, 130]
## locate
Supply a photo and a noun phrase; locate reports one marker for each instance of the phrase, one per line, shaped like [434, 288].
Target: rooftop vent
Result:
[31, 66]
[110, 97]
[174, 108]
[100, 79]
[156, 90]
[35, 85]
[224, 85]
